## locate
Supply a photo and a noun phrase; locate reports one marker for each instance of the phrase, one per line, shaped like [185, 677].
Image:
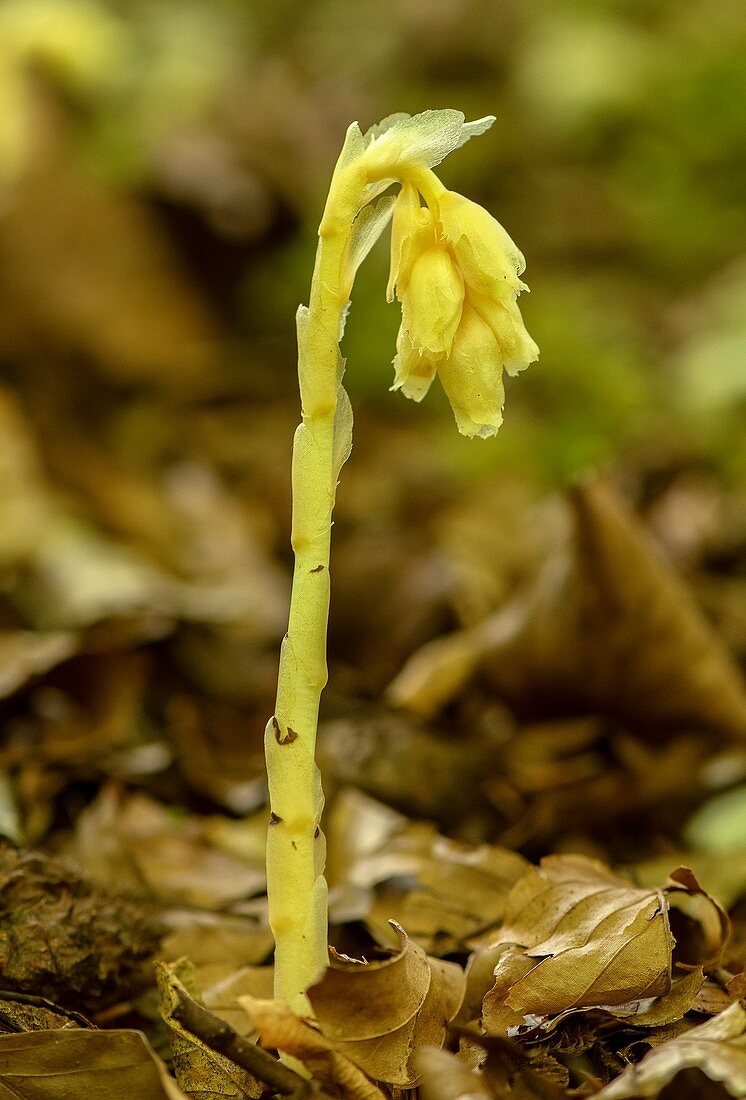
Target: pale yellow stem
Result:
[296, 886]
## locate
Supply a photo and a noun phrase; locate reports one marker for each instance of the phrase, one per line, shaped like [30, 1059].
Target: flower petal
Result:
[472, 377]
[504, 318]
[412, 229]
[432, 303]
[414, 373]
[489, 259]
[401, 142]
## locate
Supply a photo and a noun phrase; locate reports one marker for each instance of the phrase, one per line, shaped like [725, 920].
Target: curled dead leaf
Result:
[576, 935]
[699, 924]
[380, 1012]
[200, 1071]
[281, 1029]
[717, 1048]
[609, 628]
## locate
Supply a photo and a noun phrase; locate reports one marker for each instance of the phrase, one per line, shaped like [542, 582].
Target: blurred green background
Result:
[164, 165]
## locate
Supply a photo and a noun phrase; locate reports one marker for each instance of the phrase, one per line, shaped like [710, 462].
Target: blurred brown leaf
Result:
[717, 1048]
[220, 946]
[68, 1064]
[610, 628]
[133, 843]
[25, 654]
[443, 892]
[446, 1077]
[83, 947]
[88, 271]
[379, 752]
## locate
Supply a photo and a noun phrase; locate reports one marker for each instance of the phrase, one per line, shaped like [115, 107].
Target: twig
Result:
[221, 1037]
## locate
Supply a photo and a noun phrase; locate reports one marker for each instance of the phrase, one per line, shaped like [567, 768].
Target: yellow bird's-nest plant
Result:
[457, 274]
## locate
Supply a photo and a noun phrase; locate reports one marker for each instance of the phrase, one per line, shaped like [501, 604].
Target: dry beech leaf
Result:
[58, 933]
[610, 628]
[441, 891]
[219, 945]
[202, 1073]
[126, 307]
[132, 843]
[712, 998]
[71, 1064]
[648, 1012]
[25, 654]
[717, 1048]
[223, 996]
[379, 1013]
[25, 1012]
[443, 1076]
[281, 1029]
[379, 751]
[699, 924]
[576, 935]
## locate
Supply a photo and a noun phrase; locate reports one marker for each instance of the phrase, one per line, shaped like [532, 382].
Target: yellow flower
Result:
[457, 274]
[504, 318]
[489, 260]
[432, 302]
[472, 377]
[455, 270]
[414, 372]
[412, 230]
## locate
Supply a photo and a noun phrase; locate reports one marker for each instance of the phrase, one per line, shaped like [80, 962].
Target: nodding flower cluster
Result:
[456, 273]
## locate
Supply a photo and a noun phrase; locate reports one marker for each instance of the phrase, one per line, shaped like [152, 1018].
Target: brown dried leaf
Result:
[25, 654]
[218, 944]
[717, 1048]
[600, 942]
[25, 1012]
[201, 1072]
[361, 999]
[81, 946]
[649, 1012]
[446, 1077]
[25, 499]
[378, 1013]
[280, 1029]
[127, 307]
[379, 751]
[224, 995]
[441, 891]
[599, 939]
[69, 1064]
[133, 843]
[610, 628]
[700, 925]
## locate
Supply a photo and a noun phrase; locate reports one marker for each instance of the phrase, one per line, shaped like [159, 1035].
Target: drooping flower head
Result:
[454, 269]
